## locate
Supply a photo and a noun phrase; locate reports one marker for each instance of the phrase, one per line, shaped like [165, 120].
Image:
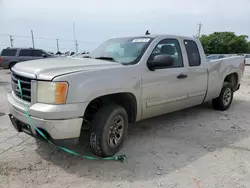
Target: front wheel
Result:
[224, 101]
[109, 128]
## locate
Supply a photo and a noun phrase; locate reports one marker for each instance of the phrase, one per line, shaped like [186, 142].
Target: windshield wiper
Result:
[107, 58]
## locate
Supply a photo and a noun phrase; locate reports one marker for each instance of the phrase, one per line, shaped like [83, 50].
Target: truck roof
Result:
[161, 36]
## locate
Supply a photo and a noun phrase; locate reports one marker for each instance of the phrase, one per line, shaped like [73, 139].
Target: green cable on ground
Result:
[120, 158]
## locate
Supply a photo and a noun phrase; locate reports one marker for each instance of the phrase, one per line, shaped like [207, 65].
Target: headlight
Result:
[52, 92]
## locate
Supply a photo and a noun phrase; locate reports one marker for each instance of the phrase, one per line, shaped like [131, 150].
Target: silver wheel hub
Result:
[227, 96]
[116, 131]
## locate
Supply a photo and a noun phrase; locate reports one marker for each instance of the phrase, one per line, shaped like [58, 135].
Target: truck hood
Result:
[47, 69]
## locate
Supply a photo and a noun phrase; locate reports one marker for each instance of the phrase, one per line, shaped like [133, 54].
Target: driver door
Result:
[163, 90]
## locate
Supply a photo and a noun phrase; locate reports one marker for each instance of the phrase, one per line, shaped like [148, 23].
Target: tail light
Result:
[1, 59]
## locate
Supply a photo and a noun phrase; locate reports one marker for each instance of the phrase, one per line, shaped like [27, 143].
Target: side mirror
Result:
[43, 55]
[160, 62]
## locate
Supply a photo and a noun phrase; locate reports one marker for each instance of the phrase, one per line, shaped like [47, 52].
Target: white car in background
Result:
[247, 59]
[212, 57]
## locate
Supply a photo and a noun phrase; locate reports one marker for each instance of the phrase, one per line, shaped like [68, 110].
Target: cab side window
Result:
[193, 54]
[170, 47]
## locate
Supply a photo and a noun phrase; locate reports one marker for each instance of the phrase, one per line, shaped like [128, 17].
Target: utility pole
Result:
[57, 45]
[74, 32]
[11, 41]
[199, 31]
[32, 36]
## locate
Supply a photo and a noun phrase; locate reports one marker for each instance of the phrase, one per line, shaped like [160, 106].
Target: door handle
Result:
[181, 76]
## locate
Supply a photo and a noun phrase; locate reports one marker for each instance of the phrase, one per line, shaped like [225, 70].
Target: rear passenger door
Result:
[197, 74]
[25, 55]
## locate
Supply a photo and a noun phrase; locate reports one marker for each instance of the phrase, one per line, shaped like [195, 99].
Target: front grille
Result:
[25, 85]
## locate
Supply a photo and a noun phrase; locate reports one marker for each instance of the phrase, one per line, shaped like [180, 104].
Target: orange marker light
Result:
[61, 92]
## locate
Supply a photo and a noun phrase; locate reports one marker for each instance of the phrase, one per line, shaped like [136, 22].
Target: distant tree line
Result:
[225, 43]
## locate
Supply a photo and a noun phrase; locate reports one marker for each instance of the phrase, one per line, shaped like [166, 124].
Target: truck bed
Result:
[218, 70]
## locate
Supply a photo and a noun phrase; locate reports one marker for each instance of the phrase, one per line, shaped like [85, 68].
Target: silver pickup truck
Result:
[123, 81]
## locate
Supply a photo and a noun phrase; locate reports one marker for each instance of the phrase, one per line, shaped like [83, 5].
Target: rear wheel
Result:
[108, 131]
[224, 101]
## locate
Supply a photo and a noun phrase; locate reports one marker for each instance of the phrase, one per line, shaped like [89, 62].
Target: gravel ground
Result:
[192, 148]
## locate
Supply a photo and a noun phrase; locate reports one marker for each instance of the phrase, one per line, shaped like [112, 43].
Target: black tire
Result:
[219, 103]
[11, 65]
[100, 130]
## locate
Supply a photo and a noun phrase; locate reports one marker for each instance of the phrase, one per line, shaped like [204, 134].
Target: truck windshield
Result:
[122, 50]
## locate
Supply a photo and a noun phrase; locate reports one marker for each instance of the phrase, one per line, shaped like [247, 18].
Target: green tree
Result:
[224, 43]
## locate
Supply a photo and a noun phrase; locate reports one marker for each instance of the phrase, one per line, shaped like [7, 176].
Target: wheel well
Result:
[126, 100]
[233, 79]
[11, 63]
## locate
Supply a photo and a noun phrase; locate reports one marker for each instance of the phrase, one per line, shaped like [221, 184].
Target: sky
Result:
[98, 20]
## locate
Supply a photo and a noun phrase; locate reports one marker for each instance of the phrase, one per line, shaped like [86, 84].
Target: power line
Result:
[89, 42]
[48, 38]
[65, 44]
[4, 45]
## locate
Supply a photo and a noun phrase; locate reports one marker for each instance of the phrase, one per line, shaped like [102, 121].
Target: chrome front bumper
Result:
[65, 127]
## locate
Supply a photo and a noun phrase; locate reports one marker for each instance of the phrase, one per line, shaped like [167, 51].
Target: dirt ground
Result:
[192, 148]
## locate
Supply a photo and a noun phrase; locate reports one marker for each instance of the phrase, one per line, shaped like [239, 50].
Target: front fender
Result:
[86, 86]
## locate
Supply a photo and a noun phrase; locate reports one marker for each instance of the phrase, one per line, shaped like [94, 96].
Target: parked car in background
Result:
[81, 55]
[215, 56]
[247, 59]
[10, 56]
[69, 53]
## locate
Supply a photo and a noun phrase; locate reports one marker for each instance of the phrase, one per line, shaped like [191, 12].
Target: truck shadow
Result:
[161, 145]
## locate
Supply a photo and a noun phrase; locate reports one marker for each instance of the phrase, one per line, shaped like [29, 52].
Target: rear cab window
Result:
[193, 54]
[8, 52]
